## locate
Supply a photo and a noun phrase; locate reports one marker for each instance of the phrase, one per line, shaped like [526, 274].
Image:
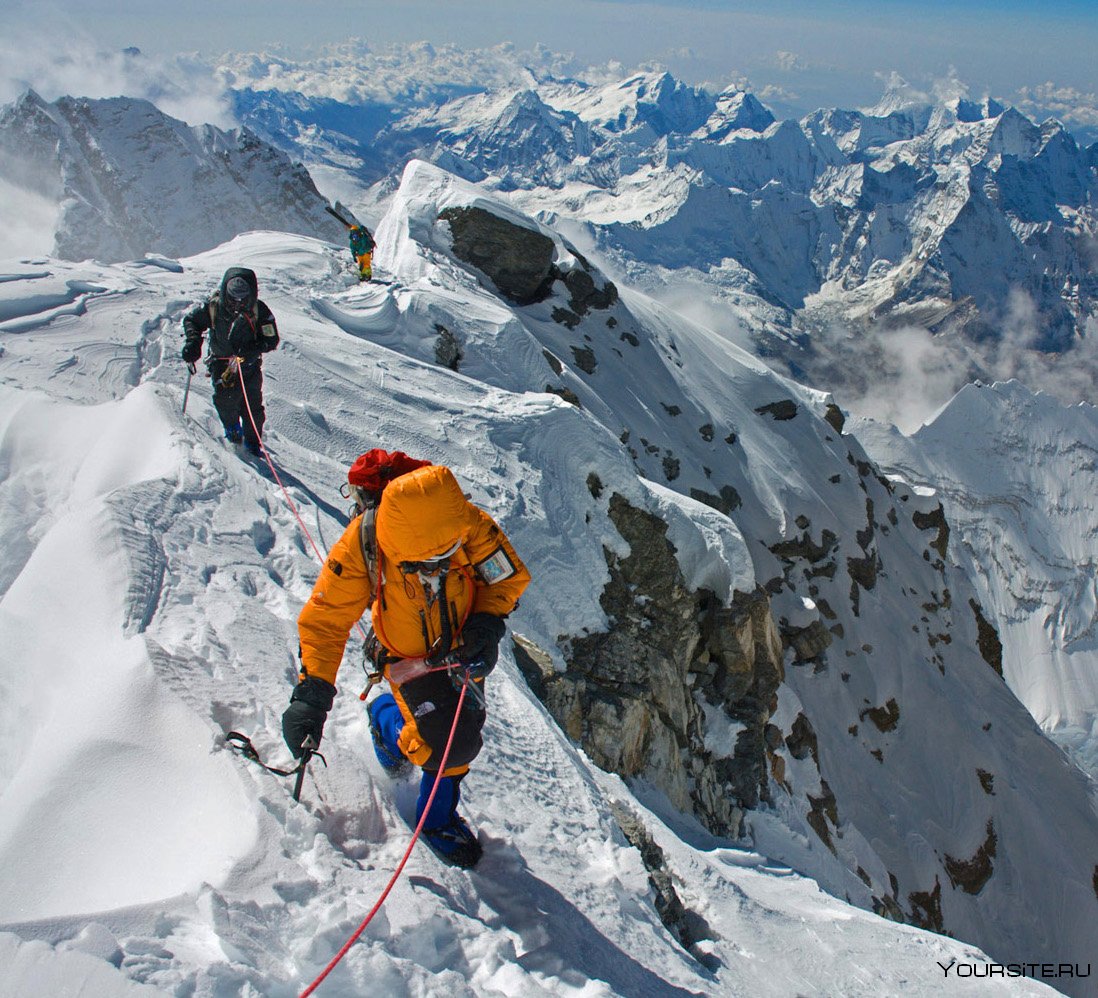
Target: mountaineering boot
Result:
[252, 447]
[454, 843]
[234, 434]
[444, 830]
[385, 722]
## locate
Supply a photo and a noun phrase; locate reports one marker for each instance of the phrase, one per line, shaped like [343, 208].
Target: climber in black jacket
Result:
[241, 329]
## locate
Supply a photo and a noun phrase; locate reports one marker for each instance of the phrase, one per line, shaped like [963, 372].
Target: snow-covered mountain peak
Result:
[133, 180]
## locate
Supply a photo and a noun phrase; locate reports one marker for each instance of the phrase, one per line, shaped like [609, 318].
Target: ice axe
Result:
[187, 391]
[308, 746]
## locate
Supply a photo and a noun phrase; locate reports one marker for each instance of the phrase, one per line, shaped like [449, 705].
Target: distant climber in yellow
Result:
[362, 247]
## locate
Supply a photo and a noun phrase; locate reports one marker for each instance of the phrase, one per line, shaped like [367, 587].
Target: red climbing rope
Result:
[400, 866]
[445, 755]
[277, 477]
[270, 463]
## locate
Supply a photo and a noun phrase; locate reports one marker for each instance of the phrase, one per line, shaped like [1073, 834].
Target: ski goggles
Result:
[433, 565]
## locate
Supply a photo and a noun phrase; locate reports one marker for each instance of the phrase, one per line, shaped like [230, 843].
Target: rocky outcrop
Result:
[518, 260]
[987, 639]
[686, 926]
[636, 696]
[972, 874]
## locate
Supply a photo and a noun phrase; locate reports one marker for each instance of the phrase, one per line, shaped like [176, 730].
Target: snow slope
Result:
[1015, 470]
[149, 608]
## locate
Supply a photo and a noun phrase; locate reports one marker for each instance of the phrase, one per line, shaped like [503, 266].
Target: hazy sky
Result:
[804, 54]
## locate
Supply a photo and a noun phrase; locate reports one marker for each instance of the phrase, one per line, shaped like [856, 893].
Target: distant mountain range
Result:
[904, 213]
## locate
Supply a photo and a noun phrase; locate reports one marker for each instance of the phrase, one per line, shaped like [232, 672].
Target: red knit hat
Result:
[376, 468]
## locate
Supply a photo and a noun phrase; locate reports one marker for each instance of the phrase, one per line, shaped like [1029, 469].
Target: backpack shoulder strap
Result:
[367, 536]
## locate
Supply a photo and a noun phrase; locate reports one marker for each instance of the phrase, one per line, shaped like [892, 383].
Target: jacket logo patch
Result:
[335, 566]
[496, 567]
[267, 329]
[424, 709]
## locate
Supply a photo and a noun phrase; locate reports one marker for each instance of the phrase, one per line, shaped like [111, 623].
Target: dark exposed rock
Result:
[566, 317]
[584, 295]
[987, 781]
[972, 874]
[594, 485]
[934, 520]
[554, 362]
[626, 694]
[863, 570]
[518, 260]
[727, 501]
[834, 417]
[987, 639]
[804, 547]
[784, 409]
[631, 339]
[808, 643]
[706, 432]
[926, 909]
[888, 907]
[671, 467]
[585, 359]
[684, 925]
[671, 410]
[884, 718]
[565, 393]
[865, 535]
[448, 351]
[823, 809]
[802, 740]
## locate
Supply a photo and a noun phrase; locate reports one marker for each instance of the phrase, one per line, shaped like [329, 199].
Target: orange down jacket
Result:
[421, 514]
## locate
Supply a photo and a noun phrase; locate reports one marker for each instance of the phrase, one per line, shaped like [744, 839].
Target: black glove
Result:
[192, 350]
[480, 639]
[309, 705]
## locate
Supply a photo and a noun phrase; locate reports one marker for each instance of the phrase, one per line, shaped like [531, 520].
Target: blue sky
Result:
[797, 55]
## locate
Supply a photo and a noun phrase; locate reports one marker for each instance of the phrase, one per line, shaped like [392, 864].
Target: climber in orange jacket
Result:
[441, 578]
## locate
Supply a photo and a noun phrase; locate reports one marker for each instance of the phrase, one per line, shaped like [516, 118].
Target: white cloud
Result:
[66, 62]
[1074, 107]
[27, 222]
[788, 61]
[903, 376]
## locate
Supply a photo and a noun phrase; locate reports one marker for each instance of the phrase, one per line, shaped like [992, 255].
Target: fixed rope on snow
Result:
[353, 938]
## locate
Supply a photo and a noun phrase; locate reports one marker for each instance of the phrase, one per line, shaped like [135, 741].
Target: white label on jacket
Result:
[496, 567]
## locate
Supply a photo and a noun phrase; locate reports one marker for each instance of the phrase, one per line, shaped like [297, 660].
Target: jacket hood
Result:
[422, 514]
[248, 275]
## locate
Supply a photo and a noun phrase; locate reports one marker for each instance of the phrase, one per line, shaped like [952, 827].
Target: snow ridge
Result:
[198, 569]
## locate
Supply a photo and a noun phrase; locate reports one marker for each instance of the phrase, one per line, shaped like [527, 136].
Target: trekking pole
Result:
[307, 748]
[187, 391]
